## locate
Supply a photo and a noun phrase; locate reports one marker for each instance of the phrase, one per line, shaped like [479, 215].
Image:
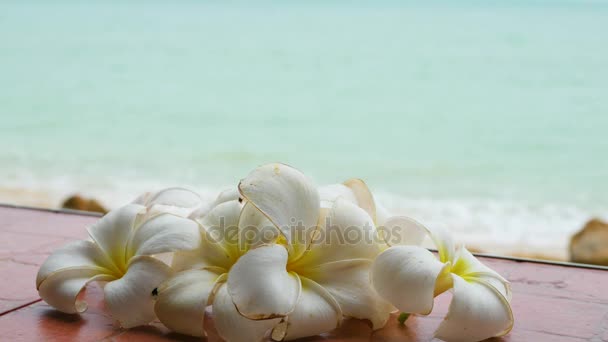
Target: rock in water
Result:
[78, 202]
[590, 244]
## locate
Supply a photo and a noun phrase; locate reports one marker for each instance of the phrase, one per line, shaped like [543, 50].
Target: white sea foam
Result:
[499, 226]
[486, 224]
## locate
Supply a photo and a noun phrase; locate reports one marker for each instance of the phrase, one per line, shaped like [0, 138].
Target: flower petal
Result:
[316, 312]
[221, 228]
[329, 193]
[402, 230]
[255, 229]
[478, 311]
[141, 199]
[60, 289]
[260, 285]
[286, 196]
[365, 198]
[130, 298]
[232, 326]
[164, 233]
[348, 282]
[440, 236]
[112, 232]
[231, 194]
[207, 255]
[200, 212]
[382, 214]
[348, 233]
[444, 242]
[353, 190]
[406, 276]
[174, 197]
[182, 300]
[219, 236]
[469, 267]
[76, 255]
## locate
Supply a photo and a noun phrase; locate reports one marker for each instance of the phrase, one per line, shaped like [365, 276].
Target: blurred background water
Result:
[490, 116]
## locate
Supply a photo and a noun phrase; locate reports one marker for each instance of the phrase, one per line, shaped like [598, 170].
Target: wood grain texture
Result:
[550, 302]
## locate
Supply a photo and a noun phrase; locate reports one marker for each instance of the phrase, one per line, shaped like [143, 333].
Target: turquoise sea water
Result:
[490, 115]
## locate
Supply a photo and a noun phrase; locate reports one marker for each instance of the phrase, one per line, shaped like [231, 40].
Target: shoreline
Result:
[526, 244]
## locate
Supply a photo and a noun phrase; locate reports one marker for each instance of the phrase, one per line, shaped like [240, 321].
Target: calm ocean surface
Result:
[491, 116]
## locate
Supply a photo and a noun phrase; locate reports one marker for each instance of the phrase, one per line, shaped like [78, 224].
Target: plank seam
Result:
[20, 307]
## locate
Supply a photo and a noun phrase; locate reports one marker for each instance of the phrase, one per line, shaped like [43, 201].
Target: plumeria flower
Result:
[267, 279]
[410, 277]
[311, 276]
[201, 273]
[121, 251]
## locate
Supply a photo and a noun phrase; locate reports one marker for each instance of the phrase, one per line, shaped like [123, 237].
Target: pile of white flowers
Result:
[275, 257]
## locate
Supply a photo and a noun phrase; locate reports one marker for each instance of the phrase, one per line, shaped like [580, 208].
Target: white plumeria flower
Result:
[275, 281]
[201, 273]
[410, 277]
[121, 252]
[308, 285]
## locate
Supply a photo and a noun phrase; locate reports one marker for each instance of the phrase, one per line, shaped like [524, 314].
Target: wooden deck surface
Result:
[550, 302]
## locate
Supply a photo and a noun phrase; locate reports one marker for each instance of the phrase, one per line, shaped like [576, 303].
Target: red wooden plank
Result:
[550, 302]
[27, 237]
